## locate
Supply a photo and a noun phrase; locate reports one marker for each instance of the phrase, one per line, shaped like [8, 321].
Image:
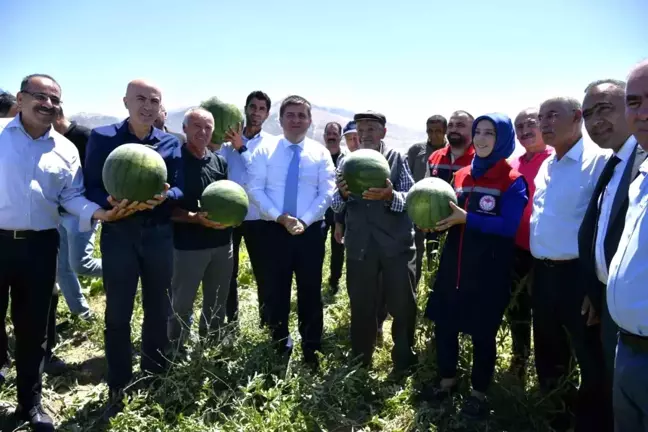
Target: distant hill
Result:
[397, 136]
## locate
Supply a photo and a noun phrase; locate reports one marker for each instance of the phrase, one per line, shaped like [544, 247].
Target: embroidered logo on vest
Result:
[487, 203]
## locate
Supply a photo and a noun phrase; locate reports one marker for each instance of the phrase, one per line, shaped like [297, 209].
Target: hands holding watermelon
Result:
[234, 136]
[139, 206]
[202, 219]
[458, 216]
[380, 194]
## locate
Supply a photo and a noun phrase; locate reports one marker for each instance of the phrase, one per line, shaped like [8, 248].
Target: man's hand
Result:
[293, 225]
[202, 219]
[234, 136]
[457, 217]
[588, 309]
[339, 233]
[119, 211]
[380, 194]
[343, 188]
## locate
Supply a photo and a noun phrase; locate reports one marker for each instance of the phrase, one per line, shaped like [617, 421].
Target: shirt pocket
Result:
[49, 179]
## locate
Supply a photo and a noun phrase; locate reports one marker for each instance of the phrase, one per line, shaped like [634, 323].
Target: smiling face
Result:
[198, 127]
[295, 121]
[370, 133]
[604, 115]
[39, 102]
[484, 138]
[143, 102]
[528, 132]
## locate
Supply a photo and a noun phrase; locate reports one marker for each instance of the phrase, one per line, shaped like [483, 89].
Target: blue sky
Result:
[408, 59]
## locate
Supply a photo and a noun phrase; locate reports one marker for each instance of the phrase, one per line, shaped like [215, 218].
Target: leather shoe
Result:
[38, 419]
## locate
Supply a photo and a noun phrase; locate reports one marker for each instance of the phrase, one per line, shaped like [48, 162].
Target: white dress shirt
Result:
[563, 190]
[267, 173]
[36, 177]
[237, 166]
[627, 285]
[605, 206]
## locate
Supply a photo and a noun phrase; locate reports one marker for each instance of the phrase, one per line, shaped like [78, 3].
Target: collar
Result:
[154, 135]
[17, 123]
[627, 148]
[287, 143]
[576, 152]
[643, 168]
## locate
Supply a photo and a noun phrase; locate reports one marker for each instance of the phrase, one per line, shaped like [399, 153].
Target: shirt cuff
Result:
[85, 218]
[307, 219]
[274, 214]
[398, 202]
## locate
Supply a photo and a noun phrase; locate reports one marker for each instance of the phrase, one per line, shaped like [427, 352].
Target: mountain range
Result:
[398, 137]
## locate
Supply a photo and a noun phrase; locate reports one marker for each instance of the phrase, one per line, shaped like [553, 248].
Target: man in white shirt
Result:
[39, 173]
[627, 296]
[292, 180]
[564, 185]
[600, 232]
[248, 138]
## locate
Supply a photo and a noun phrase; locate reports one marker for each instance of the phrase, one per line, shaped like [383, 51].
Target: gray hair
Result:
[572, 103]
[203, 112]
[615, 82]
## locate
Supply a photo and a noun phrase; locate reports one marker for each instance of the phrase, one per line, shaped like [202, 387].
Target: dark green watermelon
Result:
[225, 202]
[364, 169]
[225, 116]
[428, 202]
[134, 172]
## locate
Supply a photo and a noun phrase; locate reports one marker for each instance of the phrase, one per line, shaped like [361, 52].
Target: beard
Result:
[456, 140]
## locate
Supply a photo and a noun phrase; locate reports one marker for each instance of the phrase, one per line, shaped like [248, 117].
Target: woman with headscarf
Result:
[472, 287]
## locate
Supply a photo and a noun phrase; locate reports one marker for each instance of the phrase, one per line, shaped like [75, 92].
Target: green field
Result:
[246, 387]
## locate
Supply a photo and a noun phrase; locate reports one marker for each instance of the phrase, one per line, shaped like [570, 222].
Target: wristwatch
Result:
[242, 149]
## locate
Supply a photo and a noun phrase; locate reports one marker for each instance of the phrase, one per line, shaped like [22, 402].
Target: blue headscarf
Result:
[504, 143]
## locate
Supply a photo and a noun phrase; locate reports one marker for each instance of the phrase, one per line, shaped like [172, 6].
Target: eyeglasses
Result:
[43, 97]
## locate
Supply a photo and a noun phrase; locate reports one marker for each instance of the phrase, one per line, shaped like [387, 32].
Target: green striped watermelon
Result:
[427, 202]
[225, 202]
[364, 169]
[225, 116]
[134, 172]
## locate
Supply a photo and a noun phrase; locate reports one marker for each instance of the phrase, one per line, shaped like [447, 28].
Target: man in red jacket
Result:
[519, 312]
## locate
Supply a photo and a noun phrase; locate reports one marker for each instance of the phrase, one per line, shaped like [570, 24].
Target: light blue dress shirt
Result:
[627, 285]
[563, 191]
[268, 169]
[237, 166]
[36, 177]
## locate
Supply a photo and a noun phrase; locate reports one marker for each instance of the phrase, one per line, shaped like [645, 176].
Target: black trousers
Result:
[518, 313]
[337, 254]
[364, 287]
[253, 233]
[133, 249]
[303, 256]
[31, 294]
[559, 327]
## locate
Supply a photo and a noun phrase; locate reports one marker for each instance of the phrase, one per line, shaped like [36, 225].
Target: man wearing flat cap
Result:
[379, 239]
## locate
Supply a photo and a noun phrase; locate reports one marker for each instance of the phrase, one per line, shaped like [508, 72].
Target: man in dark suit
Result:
[600, 231]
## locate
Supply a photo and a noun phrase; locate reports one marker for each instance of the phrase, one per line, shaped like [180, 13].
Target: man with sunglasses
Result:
[39, 172]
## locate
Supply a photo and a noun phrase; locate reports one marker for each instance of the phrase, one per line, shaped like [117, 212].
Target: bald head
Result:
[603, 112]
[142, 101]
[527, 130]
[636, 103]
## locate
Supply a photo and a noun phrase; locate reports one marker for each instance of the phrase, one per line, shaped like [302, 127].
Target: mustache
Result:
[528, 135]
[45, 110]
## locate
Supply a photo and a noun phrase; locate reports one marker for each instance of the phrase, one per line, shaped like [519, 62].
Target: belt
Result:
[24, 234]
[638, 344]
[555, 263]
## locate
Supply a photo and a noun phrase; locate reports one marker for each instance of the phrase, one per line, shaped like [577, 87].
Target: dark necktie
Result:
[606, 176]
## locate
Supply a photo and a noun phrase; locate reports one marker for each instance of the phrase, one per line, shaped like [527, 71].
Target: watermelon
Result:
[225, 202]
[364, 169]
[225, 116]
[134, 172]
[427, 202]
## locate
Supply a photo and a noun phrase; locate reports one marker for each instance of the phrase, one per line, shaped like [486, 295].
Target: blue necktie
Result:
[292, 180]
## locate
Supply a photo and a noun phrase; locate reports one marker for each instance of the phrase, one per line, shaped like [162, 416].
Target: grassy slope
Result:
[246, 388]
